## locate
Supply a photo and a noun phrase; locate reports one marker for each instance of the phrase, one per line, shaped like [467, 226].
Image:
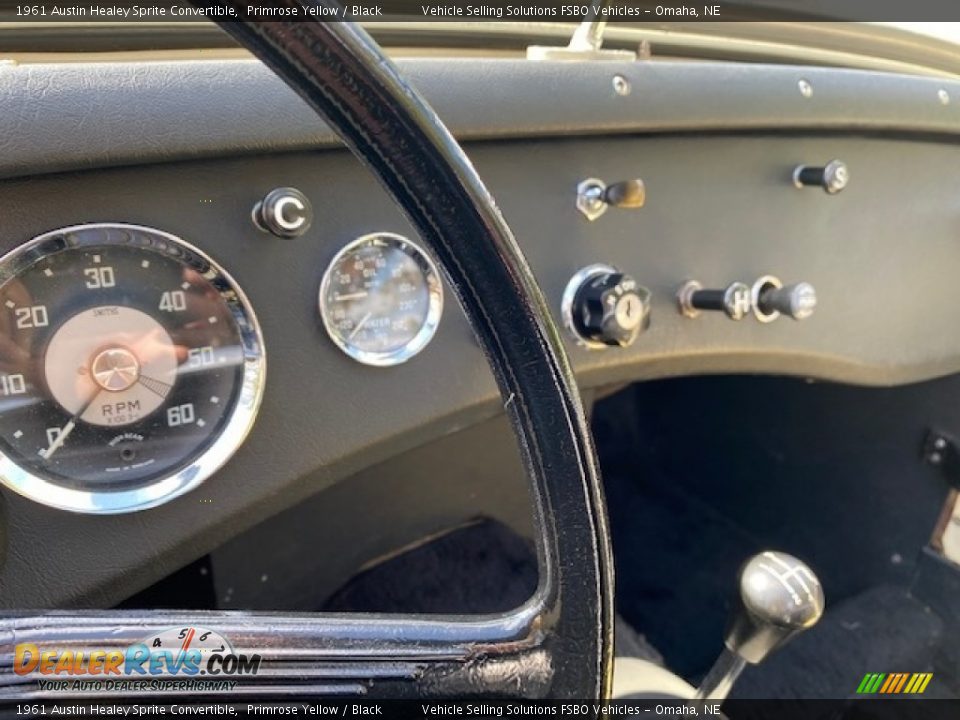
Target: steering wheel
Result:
[559, 643]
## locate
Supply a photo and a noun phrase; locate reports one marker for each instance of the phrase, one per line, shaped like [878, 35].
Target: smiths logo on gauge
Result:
[131, 368]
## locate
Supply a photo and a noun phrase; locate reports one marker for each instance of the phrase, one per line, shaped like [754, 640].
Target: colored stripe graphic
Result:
[890, 682]
[894, 683]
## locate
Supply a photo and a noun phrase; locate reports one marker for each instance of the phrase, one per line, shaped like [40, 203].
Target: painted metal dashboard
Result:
[715, 145]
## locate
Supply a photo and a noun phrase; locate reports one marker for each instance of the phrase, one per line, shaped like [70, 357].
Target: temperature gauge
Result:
[381, 299]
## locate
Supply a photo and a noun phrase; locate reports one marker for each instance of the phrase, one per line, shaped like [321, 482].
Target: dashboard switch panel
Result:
[603, 307]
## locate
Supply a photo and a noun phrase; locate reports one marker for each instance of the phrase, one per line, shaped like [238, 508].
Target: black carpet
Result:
[702, 472]
[481, 568]
[882, 630]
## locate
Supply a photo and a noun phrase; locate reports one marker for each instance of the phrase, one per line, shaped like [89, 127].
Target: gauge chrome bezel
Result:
[241, 417]
[434, 310]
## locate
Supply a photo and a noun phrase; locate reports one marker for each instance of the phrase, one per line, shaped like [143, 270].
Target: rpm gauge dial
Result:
[131, 368]
[381, 299]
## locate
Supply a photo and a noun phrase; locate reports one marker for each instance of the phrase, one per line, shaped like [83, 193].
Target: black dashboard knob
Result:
[733, 301]
[832, 177]
[285, 212]
[605, 307]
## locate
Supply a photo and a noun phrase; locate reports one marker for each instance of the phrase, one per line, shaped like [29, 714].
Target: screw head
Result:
[806, 89]
[621, 86]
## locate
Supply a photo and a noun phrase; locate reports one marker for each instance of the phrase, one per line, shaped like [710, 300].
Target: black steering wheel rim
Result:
[344, 75]
[557, 645]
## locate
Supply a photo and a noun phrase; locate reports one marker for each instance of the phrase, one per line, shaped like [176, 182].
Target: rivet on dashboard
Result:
[944, 96]
[621, 85]
[806, 89]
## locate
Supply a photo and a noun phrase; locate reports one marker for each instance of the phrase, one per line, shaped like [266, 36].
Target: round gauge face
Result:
[131, 368]
[381, 299]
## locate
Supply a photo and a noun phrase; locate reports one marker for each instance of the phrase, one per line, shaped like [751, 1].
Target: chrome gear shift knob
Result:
[779, 597]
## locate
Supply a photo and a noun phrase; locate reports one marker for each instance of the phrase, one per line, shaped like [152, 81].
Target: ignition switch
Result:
[603, 307]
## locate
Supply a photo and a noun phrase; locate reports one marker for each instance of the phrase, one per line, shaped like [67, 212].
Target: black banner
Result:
[629, 11]
[915, 708]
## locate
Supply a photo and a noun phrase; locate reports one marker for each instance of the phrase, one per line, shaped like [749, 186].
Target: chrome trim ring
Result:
[685, 298]
[241, 417]
[758, 287]
[434, 309]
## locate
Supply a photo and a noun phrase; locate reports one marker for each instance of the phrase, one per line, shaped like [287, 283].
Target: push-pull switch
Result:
[832, 177]
[734, 301]
[595, 196]
[284, 212]
[771, 299]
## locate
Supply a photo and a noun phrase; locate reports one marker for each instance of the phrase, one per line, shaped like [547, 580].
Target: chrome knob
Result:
[779, 597]
[771, 299]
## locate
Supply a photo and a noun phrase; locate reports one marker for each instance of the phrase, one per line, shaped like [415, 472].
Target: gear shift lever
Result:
[779, 597]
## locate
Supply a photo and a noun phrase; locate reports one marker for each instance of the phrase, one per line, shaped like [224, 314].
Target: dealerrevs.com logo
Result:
[186, 658]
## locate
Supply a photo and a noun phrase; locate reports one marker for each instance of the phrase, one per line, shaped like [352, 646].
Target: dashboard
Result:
[333, 344]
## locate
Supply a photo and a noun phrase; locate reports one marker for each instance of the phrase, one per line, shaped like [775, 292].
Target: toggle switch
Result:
[603, 307]
[595, 196]
[734, 301]
[771, 299]
[832, 177]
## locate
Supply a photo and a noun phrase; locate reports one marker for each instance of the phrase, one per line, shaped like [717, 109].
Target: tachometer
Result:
[131, 368]
[381, 299]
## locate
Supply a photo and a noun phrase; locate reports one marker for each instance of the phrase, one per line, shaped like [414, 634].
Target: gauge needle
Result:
[350, 296]
[68, 428]
[360, 325]
[187, 641]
